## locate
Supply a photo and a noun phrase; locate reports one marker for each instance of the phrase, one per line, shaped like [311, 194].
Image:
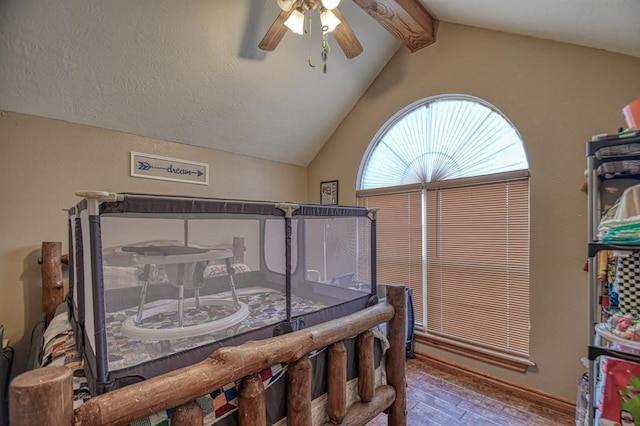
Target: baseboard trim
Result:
[505, 361]
[544, 399]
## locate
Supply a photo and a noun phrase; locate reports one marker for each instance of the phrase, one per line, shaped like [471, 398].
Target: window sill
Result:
[511, 362]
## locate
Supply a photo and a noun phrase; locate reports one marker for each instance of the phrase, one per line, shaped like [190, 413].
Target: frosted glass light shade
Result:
[330, 4]
[329, 21]
[295, 22]
[286, 5]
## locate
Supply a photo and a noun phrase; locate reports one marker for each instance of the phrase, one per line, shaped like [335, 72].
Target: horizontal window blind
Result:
[478, 265]
[399, 242]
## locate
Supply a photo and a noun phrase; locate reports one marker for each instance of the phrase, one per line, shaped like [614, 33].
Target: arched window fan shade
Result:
[444, 139]
[449, 177]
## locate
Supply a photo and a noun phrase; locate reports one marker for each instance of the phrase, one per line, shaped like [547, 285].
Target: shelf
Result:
[618, 168]
[602, 329]
[594, 248]
[625, 139]
[615, 158]
[609, 157]
[597, 351]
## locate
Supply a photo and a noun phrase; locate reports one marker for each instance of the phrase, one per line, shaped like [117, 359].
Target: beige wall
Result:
[557, 95]
[44, 161]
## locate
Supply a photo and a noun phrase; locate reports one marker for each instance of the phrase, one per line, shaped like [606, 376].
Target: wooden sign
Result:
[164, 168]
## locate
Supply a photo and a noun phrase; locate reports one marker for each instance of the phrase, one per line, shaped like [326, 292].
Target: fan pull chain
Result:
[325, 48]
[308, 29]
[325, 52]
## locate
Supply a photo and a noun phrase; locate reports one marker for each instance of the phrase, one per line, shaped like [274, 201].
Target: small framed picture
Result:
[329, 192]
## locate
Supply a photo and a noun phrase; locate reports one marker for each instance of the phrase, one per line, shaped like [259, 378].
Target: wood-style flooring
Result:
[437, 397]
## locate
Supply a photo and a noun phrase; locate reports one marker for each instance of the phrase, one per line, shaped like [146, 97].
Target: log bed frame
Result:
[45, 396]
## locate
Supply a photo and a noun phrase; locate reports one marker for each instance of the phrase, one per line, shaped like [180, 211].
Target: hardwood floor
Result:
[437, 397]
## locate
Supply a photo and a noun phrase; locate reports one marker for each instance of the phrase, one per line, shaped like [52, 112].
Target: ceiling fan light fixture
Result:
[330, 4]
[285, 5]
[295, 22]
[329, 21]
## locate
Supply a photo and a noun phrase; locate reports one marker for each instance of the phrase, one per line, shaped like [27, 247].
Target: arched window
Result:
[449, 175]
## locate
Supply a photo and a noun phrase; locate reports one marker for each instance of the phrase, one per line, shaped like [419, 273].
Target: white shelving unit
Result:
[607, 158]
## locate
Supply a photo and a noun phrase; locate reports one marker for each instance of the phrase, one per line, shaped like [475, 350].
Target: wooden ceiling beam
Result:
[407, 20]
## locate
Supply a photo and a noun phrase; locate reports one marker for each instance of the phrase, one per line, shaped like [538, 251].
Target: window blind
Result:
[478, 265]
[399, 242]
[476, 254]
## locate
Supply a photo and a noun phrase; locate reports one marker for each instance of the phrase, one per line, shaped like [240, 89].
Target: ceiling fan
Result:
[407, 20]
[292, 17]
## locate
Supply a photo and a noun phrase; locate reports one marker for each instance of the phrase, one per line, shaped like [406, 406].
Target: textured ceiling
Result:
[190, 70]
[612, 25]
[184, 70]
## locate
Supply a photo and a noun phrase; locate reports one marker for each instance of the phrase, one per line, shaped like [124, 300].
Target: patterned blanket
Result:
[60, 349]
[266, 306]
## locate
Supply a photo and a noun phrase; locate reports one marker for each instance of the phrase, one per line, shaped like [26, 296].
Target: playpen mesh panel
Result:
[173, 284]
[338, 252]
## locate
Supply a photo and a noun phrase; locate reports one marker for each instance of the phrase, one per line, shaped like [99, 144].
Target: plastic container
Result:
[632, 114]
[582, 402]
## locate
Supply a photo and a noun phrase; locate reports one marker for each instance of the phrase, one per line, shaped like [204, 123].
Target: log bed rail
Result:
[45, 396]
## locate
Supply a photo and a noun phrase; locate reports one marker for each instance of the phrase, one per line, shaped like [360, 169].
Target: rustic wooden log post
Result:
[361, 413]
[238, 249]
[396, 355]
[52, 284]
[252, 409]
[337, 383]
[42, 397]
[366, 366]
[189, 414]
[299, 393]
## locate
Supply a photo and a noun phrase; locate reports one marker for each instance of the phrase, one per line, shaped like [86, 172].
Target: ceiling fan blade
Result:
[407, 20]
[345, 37]
[277, 30]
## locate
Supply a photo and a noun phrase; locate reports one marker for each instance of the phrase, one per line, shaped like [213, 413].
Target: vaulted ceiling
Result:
[191, 71]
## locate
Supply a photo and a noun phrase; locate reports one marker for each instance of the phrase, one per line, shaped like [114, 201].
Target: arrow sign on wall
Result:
[165, 168]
